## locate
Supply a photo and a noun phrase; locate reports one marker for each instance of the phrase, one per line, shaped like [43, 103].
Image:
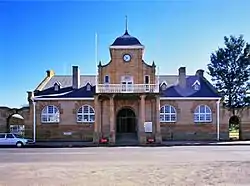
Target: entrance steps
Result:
[127, 139]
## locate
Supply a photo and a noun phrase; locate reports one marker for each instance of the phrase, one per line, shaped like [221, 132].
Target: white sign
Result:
[67, 133]
[148, 127]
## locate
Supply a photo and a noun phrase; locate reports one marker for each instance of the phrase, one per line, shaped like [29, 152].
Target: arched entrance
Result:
[234, 128]
[126, 125]
[15, 124]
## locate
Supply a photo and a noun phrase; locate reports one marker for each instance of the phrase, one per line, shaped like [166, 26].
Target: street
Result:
[193, 165]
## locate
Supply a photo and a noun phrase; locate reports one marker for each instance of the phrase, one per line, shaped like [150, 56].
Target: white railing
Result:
[127, 88]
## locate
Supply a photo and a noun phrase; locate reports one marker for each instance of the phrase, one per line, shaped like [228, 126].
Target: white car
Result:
[9, 139]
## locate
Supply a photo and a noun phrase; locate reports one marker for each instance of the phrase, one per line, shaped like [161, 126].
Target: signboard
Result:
[67, 133]
[148, 128]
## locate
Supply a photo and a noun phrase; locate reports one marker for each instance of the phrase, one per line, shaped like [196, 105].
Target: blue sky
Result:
[37, 36]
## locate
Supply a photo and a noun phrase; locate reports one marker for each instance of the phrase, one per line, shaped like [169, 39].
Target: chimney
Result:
[50, 73]
[200, 73]
[76, 77]
[182, 77]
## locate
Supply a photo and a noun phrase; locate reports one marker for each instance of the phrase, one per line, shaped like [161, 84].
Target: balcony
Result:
[127, 88]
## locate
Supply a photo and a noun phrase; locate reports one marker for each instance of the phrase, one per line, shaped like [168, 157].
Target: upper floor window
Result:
[196, 85]
[50, 114]
[57, 86]
[86, 114]
[146, 79]
[88, 87]
[106, 79]
[202, 113]
[168, 114]
[163, 85]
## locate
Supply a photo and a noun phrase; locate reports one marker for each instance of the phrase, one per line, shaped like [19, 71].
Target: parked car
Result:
[9, 139]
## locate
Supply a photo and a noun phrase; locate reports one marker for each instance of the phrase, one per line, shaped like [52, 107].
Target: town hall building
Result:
[127, 101]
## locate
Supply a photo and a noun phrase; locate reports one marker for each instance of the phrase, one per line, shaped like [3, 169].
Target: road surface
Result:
[125, 166]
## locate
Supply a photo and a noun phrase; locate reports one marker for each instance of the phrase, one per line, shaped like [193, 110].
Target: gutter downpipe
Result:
[218, 120]
[34, 120]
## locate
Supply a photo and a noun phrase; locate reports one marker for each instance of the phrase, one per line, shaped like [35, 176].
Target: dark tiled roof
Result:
[205, 89]
[66, 81]
[126, 40]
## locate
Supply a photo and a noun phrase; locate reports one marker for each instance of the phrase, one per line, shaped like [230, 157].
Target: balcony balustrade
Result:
[127, 88]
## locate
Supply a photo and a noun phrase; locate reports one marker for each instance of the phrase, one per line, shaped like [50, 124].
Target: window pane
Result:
[202, 117]
[172, 109]
[50, 109]
[79, 118]
[2, 135]
[80, 110]
[196, 117]
[9, 136]
[92, 118]
[162, 110]
[161, 117]
[208, 109]
[44, 118]
[91, 110]
[85, 118]
[167, 109]
[173, 117]
[85, 109]
[202, 109]
[208, 117]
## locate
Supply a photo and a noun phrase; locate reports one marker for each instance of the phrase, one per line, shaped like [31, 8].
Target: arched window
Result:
[50, 114]
[168, 114]
[202, 113]
[86, 114]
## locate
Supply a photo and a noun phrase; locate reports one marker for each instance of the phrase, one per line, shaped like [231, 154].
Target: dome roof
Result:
[126, 40]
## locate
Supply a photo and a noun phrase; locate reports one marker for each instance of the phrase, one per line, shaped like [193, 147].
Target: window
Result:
[86, 114]
[50, 114]
[163, 85]
[196, 85]
[88, 87]
[57, 86]
[202, 113]
[106, 79]
[168, 114]
[9, 136]
[146, 79]
[2, 135]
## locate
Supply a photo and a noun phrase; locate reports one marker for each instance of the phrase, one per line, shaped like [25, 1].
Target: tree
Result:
[229, 68]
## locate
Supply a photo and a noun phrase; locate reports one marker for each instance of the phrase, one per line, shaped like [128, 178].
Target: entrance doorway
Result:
[126, 127]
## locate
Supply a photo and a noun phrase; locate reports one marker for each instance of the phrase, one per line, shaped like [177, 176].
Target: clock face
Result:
[127, 57]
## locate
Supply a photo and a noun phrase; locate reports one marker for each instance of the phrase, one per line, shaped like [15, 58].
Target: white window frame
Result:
[127, 83]
[203, 117]
[51, 117]
[172, 116]
[81, 112]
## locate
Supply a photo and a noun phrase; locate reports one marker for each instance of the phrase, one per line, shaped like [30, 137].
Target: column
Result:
[112, 120]
[158, 137]
[142, 136]
[96, 136]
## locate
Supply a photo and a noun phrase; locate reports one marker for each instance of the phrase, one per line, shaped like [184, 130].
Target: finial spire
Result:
[126, 24]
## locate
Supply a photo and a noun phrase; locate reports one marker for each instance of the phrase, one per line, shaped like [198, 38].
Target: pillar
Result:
[158, 137]
[112, 120]
[142, 135]
[97, 134]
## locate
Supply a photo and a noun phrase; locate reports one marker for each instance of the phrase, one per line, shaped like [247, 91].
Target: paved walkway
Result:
[165, 143]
